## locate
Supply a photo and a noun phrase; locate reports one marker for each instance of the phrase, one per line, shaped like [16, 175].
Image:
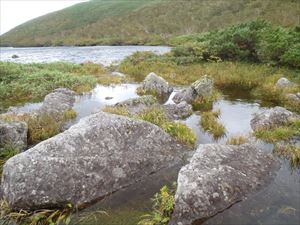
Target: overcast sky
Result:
[16, 12]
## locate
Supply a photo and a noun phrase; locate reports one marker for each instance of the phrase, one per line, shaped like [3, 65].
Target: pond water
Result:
[105, 55]
[276, 204]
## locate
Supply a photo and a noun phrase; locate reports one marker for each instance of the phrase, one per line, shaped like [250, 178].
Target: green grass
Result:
[205, 103]
[6, 153]
[279, 133]
[43, 126]
[209, 122]
[163, 206]
[237, 140]
[158, 117]
[145, 21]
[291, 152]
[20, 83]
[256, 79]
[276, 134]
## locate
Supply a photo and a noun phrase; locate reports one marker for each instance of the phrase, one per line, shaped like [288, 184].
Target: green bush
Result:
[292, 56]
[256, 41]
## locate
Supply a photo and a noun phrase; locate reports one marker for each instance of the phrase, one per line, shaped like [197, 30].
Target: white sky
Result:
[16, 12]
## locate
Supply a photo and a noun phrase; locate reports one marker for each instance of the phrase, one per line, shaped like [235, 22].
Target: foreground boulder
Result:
[58, 101]
[275, 116]
[13, 133]
[217, 177]
[101, 154]
[202, 87]
[156, 84]
[283, 83]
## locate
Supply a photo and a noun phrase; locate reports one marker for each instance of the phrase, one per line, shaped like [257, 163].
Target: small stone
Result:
[283, 83]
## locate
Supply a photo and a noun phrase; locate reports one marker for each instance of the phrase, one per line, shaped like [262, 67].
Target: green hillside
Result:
[118, 22]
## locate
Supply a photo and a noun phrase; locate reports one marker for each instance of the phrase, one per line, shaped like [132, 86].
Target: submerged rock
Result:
[283, 83]
[58, 101]
[270, 117]
[101, 154]
[13, 133]
[217, 177]
[156, 84]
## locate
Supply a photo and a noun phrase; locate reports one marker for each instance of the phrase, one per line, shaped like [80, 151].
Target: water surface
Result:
[104, 55]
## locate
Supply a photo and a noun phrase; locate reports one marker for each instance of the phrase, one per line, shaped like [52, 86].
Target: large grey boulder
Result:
[156, 84]
[217, 177]
[270, 117]
[178, 111]
[188, 95]
[13, 133]
[203, 86]
[283, 83]
[101, 154]
[58, 101]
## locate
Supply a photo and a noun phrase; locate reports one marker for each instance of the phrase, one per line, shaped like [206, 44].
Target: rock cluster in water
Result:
[15, 133]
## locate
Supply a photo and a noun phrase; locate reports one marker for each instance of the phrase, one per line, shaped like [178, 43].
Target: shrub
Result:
[292, 56]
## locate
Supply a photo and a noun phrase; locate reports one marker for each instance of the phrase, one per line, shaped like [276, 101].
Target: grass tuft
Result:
[209, 122]
[279, 133]
[157, 116]
[162, 209]
[237, 140]
[6, 153]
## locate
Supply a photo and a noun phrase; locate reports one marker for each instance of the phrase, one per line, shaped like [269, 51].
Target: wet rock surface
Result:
[13, 133]
[202, 87]
[188, 95]
[217, 177]
[158, 85]
[148, 102]
[178, 111]
[270, 117]
[58, 101]
[101, 154]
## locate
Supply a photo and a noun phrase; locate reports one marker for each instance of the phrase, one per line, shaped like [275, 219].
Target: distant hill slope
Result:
[116, 22]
